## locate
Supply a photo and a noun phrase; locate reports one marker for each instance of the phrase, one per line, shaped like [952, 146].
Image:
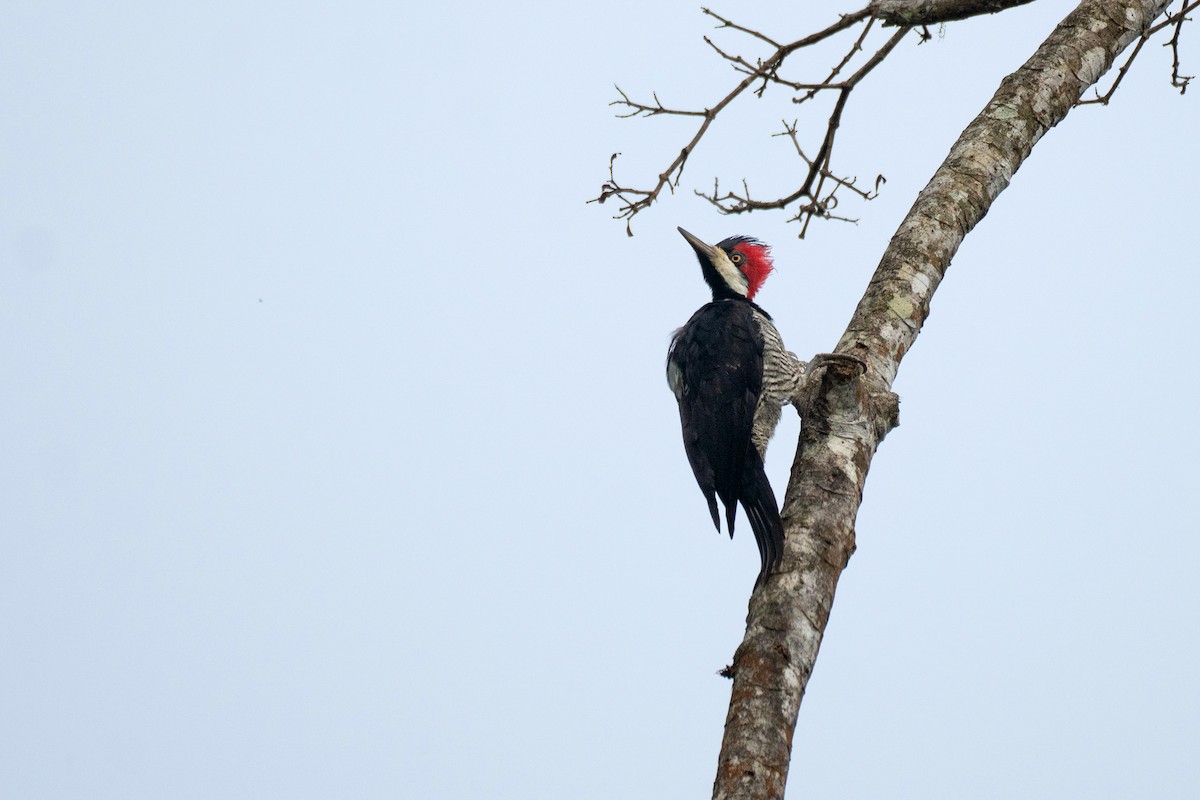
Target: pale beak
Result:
[706, 251]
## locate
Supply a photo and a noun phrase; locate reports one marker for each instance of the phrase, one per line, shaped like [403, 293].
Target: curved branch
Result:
[933, 12]
[846, 417]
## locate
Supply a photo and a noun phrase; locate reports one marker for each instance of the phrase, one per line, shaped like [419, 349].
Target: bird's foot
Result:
[821, 360]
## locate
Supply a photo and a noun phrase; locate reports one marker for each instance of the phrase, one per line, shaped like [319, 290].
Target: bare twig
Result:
[636, 200]
[740, 64]
[638, 109]
[792, 131]
[818, 166]
[822, 205]
[771, 75]
[727, 24]
[1180, 82]
[838, 68]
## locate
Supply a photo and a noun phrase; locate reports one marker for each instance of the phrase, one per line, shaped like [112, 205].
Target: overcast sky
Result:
[338, 459]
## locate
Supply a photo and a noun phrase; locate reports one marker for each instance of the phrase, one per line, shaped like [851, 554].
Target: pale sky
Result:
[339, 460]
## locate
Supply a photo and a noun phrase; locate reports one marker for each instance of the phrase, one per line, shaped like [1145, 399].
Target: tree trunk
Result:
[848, 415]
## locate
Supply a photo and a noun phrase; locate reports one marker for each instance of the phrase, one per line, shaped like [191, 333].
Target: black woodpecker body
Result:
[732, 376]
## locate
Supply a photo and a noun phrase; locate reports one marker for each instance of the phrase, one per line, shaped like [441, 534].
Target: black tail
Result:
[759, 503]
[711, 497]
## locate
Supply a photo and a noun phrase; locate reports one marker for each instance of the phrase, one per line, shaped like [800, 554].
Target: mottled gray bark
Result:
[932, 12]
[848, 415]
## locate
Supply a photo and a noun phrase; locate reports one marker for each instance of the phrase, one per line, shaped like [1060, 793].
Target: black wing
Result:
[715, 367]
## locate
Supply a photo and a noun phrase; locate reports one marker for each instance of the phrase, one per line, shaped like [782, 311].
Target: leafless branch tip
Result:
[764, 72]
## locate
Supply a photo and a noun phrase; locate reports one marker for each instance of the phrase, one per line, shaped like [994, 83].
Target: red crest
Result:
[758, 264]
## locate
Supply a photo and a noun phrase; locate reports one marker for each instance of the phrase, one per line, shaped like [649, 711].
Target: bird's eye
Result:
[736, 258]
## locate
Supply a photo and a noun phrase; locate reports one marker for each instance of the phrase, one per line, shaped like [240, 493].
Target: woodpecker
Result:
[732, 376]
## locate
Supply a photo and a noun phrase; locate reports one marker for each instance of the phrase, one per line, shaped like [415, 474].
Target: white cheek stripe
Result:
[733, 277]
